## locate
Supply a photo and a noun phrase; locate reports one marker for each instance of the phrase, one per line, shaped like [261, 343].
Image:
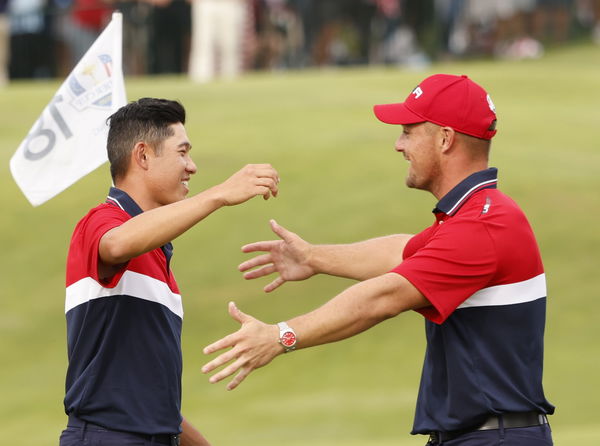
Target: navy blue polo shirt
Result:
[123, 334]
[480, 268]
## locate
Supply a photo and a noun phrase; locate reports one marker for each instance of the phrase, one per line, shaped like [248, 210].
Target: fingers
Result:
[259, 246]
[227, 341]
[218, 361]
[283, 233]
[264, 171]
[239, 378]
[275, 284]
[260, 272]
[261, 260]
[266, 190]
[248, 182]
[269, 245]
[237, 314]
[227, 371]
[267, 178]
[265, 271]
[239, 364]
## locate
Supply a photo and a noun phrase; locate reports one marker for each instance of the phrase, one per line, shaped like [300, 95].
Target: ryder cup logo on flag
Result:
[68, 140]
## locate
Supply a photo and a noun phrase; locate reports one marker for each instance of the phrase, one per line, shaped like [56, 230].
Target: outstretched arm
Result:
[296, 259]
[353, 311]
[156, 227]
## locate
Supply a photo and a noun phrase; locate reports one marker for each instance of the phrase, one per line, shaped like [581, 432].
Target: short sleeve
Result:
[83, 252]
[458, 260]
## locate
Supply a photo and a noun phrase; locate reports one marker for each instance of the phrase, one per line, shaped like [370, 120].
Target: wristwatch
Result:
[287, 337]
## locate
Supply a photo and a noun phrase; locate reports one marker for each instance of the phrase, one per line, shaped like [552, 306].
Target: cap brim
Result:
[396, 114]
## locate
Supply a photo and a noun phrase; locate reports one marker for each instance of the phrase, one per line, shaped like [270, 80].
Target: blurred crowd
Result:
[222, 38]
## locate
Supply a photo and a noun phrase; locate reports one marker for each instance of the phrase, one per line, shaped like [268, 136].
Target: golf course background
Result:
[341, 181]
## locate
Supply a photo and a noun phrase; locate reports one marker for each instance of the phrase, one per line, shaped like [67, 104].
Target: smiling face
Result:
[170, 170]
[418, 145]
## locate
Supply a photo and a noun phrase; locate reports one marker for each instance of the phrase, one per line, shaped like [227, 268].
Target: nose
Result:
[191, 166]
[398, 146]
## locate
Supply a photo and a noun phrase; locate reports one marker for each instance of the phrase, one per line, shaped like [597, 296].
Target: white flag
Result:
[68, 140]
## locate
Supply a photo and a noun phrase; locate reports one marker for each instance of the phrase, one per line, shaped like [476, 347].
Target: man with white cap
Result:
[475, 275]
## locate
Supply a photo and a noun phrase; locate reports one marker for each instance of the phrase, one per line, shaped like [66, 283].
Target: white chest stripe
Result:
[513, 293]
[131, 284]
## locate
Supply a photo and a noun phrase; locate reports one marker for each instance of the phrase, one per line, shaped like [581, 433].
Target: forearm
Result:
[154, 228]
[357, 309]
[359, 261]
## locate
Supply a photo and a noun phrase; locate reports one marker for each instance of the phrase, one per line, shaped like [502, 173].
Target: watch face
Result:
[288, 339]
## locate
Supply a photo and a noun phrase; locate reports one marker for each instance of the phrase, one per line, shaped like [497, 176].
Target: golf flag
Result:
[68, 140]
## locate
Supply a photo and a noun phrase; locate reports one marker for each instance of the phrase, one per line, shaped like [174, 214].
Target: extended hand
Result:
[254, 345]
[288, 256]
[248, 182]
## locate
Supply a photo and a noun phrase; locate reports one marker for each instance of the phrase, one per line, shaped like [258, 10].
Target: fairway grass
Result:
[341, 182]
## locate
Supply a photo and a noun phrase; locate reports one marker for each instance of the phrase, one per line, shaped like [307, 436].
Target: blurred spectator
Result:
[4, 41]
[587, 15]
[136, 20]
[514, 35]
[343, 32]
[396, 40]
[386, 25]
[83, 26]
[169, 36]
[362, 13]
[326, 22]
[303, 10]
[454, 34]
[280, 38]
[220, 38]
[30, 40]
[419, 15]
[502, 29]
[218, 27]
[552, 20]
[60, 13]
[596, 21]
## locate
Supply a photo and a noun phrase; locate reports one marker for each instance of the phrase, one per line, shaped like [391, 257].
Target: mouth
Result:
[186, 183]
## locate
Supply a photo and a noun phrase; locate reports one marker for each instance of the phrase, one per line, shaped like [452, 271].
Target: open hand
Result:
[289, 257]
[254, 345]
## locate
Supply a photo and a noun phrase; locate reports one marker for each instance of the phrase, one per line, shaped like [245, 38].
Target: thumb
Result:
[237, 314]
[283, 233]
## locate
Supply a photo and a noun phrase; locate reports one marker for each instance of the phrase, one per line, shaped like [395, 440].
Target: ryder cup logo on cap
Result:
[446, 100]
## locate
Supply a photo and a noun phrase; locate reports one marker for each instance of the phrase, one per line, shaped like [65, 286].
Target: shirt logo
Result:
[486, 206]
[417, 92]
[491, 104]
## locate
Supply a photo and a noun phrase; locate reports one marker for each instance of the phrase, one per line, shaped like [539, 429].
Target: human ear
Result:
[447, 136]
[139, 154]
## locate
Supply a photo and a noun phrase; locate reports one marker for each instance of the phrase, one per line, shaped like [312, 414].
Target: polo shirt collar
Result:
[122, 200]
[459, 194]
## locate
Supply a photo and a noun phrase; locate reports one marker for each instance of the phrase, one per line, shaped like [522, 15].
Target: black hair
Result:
[148, 120]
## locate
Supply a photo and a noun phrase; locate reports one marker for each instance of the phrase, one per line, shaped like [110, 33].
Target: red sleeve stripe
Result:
[509, 294]
[131, 284]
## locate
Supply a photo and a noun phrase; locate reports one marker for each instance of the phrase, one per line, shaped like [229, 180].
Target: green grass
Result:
[341, 181]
